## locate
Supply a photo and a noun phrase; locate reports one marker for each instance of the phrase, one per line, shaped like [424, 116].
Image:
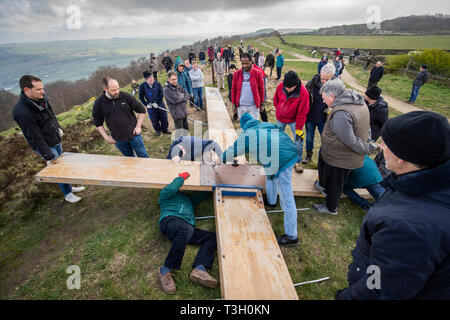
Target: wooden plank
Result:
[251, 264]
[88, 169]
[220, 126]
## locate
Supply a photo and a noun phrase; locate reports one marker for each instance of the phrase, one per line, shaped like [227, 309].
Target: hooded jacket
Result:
[38, 124]
[258, 139]
[346, 131]
[177, 204]
[183, 78]
[292, 108]
[406, 234]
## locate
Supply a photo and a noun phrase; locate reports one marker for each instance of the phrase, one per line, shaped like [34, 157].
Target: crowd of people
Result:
[405, 231]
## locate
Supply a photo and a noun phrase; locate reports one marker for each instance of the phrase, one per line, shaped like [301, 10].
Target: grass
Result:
[374, 42]
[432, 96]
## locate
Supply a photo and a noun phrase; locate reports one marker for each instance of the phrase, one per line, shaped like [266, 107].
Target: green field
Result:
[374, 42]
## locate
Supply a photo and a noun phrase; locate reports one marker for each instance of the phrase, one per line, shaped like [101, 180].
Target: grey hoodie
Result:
[342, 122]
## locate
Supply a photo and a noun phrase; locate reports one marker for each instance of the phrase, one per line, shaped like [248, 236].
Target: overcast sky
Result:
[25, 21]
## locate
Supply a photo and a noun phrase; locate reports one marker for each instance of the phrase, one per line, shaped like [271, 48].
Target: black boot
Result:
[308, 158]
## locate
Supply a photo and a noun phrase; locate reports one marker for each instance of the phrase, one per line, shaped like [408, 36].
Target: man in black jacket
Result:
[317, 114]
[378, 109]
[191, 56]
[270, 63]
[117, 108]
[403, 250]
[35, 117]
[167, 62]
[375, 74]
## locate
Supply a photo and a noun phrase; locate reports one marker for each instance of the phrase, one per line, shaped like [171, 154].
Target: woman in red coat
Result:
[291, 103]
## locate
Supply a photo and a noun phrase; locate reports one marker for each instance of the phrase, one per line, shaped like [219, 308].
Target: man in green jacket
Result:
[267, 144]
[177, 223]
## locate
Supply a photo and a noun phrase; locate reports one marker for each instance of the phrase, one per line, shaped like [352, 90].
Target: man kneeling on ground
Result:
[177, 223]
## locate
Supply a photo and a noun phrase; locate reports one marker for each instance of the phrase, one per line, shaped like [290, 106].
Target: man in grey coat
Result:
[176, 98]
[419, 81]
[344, 142]
[219, 70]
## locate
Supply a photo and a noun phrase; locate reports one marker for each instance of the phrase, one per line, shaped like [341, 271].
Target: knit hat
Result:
[291, 79]
[424, 66]
[146, 74]
[373, 92]
[420, 137]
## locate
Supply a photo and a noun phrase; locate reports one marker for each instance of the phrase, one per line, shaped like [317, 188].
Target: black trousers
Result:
[181, 234]
[264, 117]
[279, 73]
[333, 180]
[371, 84]
[181, 124]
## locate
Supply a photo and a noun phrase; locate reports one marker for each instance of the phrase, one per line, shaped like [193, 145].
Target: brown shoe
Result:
[167, 282]
[298, 167]
[203, 278]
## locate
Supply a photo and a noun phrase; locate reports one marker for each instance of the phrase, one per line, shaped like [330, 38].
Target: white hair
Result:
[335, 87]
[329, 68]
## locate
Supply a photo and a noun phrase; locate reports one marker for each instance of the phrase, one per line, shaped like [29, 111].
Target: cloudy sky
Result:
[25, 21]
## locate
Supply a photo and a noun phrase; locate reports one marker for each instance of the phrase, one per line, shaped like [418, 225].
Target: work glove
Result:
[327, 111]
[376, 147]
[61, 133]
[300, 134]
[192, 95]
[184, 175]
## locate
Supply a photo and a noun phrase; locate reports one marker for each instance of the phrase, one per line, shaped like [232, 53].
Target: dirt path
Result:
[394, 103]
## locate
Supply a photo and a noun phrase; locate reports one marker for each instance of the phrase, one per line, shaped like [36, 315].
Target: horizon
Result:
[21, 20]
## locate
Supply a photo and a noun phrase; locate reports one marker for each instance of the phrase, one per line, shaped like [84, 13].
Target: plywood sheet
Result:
[251, 264]
[89, 169]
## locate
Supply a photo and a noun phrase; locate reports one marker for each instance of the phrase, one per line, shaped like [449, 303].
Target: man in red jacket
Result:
[247, 92]
[291, 103]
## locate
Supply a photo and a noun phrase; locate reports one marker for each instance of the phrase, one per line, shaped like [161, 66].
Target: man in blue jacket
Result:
[274, 149]
[403, 250]
[151, 96]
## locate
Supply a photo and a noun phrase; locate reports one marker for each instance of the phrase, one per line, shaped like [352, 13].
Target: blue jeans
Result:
[181, 234]
[414, 93]
[310, 133]
[203, 62]
[298, 142]
[136, 144]
[57, 151]
[376, 191]
[198, 96]
[282, 185]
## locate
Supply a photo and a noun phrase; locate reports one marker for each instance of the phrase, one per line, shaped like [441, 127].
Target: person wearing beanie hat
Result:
[378, 109]
[151, 96]
[406, 233]
[419, 81]
[291, 102]
[256, 139]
